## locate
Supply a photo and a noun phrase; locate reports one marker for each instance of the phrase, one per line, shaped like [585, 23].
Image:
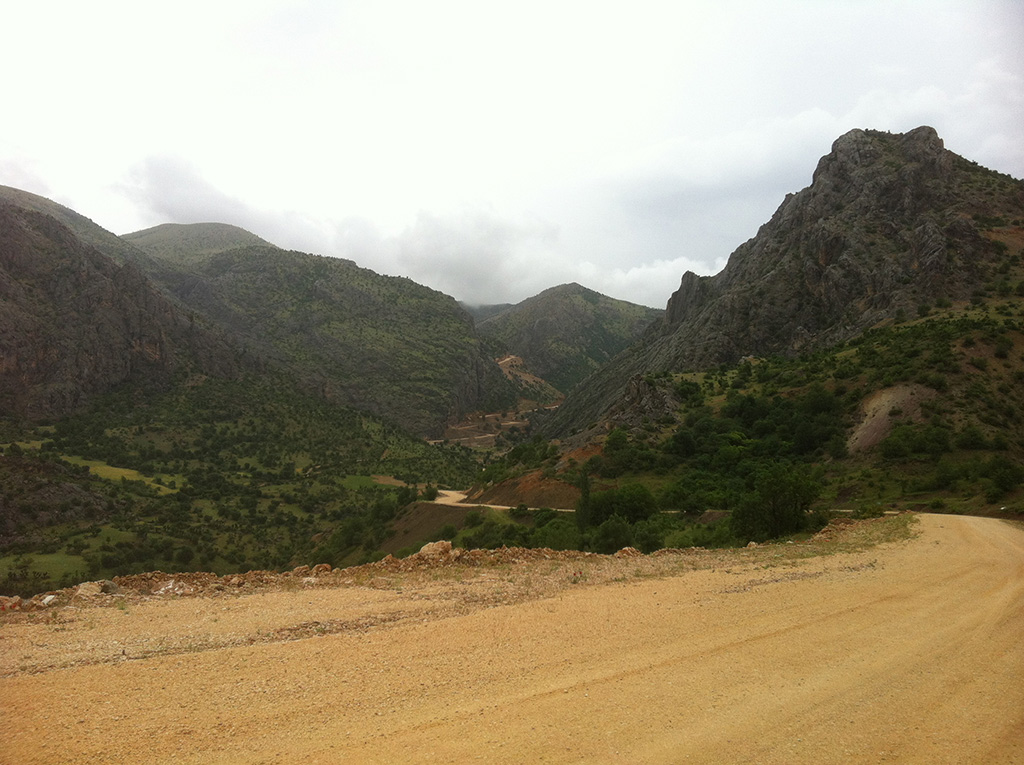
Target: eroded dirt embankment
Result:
[907, 652]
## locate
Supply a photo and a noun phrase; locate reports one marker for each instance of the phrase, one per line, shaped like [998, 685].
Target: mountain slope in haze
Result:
[88, 232]
[74, 324]
[184, 242]
[482, 312]
[384, 344]
[889, 224]
[567, 332]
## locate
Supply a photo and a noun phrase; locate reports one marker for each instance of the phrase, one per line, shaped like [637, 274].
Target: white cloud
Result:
[490, 150]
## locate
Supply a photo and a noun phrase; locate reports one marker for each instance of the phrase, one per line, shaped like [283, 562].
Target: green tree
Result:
[612, 535]
[778, 503]
[633, 502]
[558, 534]
[648, 536]
[583, 505]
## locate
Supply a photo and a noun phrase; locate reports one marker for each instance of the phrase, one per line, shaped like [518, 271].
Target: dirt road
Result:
[907, 652]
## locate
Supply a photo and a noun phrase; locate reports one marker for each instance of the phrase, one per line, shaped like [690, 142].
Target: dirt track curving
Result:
[904, 652]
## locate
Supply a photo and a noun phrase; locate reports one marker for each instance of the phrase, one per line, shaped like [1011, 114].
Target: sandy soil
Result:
[903, 652]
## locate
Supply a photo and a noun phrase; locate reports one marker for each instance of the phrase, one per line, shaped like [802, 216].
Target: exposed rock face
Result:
[73, 323]
[694, 291]
[890, 221]
[643, 401]
[885, 225]
[88, 232]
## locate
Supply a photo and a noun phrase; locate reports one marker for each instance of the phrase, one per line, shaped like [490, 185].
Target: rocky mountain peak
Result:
[862, 154]
[693, 291]
[885, 215]
[890, 222]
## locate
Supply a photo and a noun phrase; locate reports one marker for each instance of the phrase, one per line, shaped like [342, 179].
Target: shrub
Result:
[612, 535]
[777, 505]
[633, 502]
[543, 516]
[971, 438]
[557, 534]
[648, 536]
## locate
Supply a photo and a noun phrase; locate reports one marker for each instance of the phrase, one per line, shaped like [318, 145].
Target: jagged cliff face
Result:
[73, 323]
[889, 222]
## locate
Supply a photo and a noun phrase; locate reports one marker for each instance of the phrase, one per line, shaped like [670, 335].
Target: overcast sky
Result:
[488, 149]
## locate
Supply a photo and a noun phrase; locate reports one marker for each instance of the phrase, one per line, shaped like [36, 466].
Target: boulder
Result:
[436, 550]
[88, 589]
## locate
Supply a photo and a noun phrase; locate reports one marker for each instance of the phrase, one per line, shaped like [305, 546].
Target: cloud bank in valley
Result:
[491, 151]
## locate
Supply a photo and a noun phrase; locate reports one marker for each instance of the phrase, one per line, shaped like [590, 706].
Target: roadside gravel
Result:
[836, 651]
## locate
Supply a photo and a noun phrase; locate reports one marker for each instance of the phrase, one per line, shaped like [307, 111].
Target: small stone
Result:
[10, 603]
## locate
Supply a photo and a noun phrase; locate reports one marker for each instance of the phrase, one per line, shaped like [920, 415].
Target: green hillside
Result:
[566, 333]
[214, 475]
[922, 415]
[193, 398]
[384, 344]
[186, 242]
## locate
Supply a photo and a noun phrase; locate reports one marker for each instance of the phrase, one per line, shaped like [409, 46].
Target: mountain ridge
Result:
[385, 344]
[186, 241]
[77, 324]
[566, 332]
[889, 223]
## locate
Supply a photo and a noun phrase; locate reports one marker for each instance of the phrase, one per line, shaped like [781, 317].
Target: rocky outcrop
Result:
[890, 221]
[73, 323]
[693, 294]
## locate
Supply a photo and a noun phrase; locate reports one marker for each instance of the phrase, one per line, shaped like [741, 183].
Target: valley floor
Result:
[908, 651]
